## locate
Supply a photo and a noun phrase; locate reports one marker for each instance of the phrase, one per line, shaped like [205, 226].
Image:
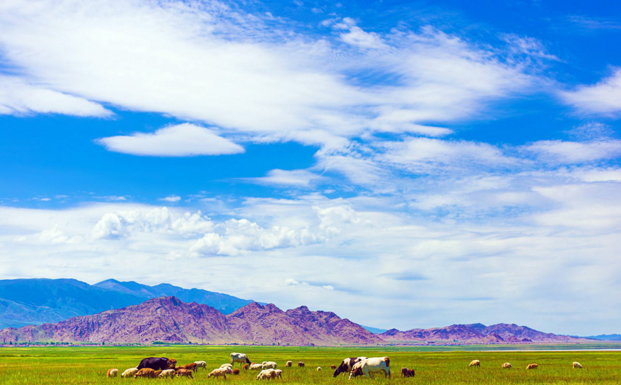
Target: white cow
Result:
[239, 357]
[370, 367]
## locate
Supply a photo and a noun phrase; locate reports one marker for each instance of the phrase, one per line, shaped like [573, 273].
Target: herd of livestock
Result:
[162, 367]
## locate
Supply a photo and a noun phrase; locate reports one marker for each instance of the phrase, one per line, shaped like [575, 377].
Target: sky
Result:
[405, 164]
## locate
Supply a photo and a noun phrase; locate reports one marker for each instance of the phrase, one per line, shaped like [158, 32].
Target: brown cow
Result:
[184, 373]
[532, 366]
[145, 372]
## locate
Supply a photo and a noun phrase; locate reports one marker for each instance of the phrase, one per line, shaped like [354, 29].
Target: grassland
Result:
[88, 365]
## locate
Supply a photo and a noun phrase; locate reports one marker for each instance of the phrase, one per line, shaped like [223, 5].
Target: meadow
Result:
[433, 365]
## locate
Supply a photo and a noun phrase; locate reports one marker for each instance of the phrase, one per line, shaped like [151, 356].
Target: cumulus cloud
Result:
[180, 140]
[19, 97]
[292, 178]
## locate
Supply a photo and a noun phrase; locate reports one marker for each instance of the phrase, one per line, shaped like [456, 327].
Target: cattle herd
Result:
[162, 367]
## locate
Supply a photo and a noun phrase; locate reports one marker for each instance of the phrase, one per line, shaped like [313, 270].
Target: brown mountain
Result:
[478, 334]
[168, 319]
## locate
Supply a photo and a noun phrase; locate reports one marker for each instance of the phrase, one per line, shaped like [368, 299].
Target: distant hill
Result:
[374, 330]
[169, 319]
[478, 334]
[36, 301]
[606, 337]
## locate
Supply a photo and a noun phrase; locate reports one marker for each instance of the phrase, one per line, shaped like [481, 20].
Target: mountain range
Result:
[36, 301]
[168, 319]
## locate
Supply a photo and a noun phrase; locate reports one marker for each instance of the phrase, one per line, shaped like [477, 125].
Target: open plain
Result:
[433, 365]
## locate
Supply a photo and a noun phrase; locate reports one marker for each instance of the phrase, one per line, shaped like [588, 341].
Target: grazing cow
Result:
[246, 366]
[157, 363]
[300, 364]
[269, 365]
[506, 365]
[184, 373]
[145, 372]
[576, 365]
[267, 374]
[112, 372]
[168, 373]
[405, 372]
[475, 363]
[347, 365]
[370, 366]
[332, 367]
[532, 366]
[256, 366]
[201, 364]
[129, 372]
[288, 364]
[239, 357]
[319, 368]
[235, 372]
[220, 372]
[278, 373]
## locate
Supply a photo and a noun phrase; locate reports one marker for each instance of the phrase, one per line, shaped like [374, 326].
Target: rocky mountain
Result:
[478, 334]
[169, 319]
[36, 301]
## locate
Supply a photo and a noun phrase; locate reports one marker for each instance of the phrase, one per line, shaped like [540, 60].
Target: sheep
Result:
[266, 374]
[506, 365]
[168, 373]
[475, 363]
[193, 367]
[278, 373]
[201, 364]
[288, 364]
[319, 368]
[332, 367]
[226, 366]
[129, 372]
[145, 372]
[256, 366]
[112, 372]
[576, 365]
[246, 366]
[269, 365]
[235, 372]
[405, 372]
[220, 372]
[532, 366]
[158, 372]
[300, 364]
[184, 373]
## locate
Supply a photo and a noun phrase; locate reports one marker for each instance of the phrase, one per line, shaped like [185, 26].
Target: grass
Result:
[88, 365]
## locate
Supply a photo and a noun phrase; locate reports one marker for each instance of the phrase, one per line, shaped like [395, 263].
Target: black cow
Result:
[346, 365]
[157, 363]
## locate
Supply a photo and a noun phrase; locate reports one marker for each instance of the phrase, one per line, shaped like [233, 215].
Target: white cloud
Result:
[180, 140]
[171, 198]
[558, 151]
[603, 98]
[293, 178]
[232, 70]
[19, 97]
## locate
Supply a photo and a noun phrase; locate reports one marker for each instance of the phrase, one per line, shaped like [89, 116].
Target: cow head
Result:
[171, 363]
[355, 372]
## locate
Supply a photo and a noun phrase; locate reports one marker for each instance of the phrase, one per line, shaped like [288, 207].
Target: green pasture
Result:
[88, 365]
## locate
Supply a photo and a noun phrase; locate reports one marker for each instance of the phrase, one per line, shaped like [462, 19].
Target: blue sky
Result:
[441, 162]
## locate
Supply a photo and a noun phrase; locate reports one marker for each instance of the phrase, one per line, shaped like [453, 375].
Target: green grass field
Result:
[88, 365]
